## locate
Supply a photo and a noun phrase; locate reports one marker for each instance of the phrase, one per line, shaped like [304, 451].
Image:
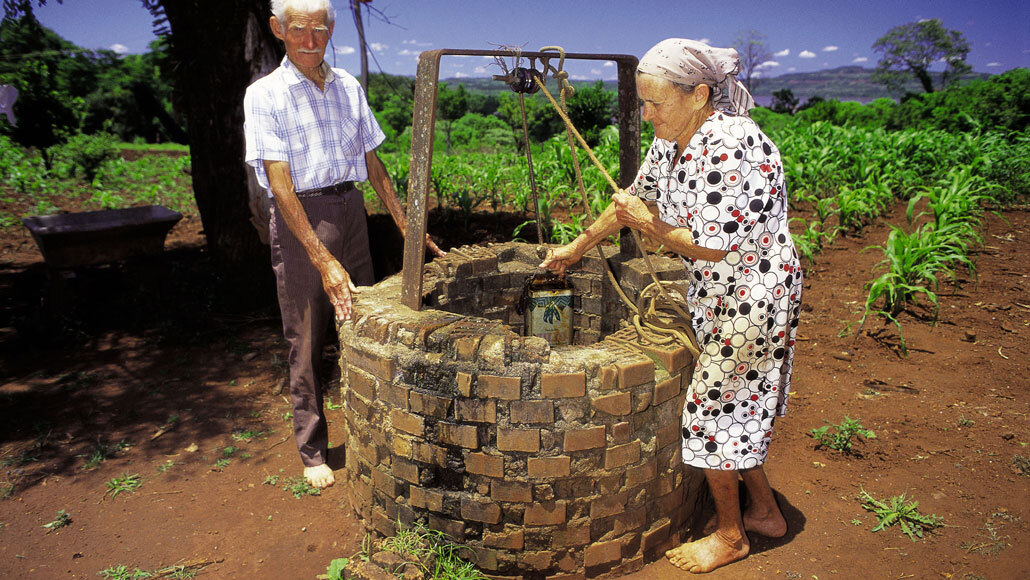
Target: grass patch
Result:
[6, 489]
[299, 487]
[898, 511]
[101, 452]
[431, 552]
[164, 467]
[122, 572]
[246, 435]
[124, 483]
[61, 520]
[221, 464]
[841, 438]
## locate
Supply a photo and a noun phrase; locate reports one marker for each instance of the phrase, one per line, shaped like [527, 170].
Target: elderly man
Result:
[310, 135]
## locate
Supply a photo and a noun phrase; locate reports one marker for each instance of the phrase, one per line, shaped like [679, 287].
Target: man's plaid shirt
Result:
[323, 136]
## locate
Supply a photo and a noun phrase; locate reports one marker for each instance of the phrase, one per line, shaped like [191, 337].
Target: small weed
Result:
[987, 542]
[287, 416]
[121, 572]
[232, 383]
[332, 406]
[229, 451]
[897, 511]
[245, 455]
[124, 483]
[164, 467]
[435, 548]
[221, 464]
[300, 487]
[271, 480]
[102, 452]
[61, 520]
[963, 422]
[336, 567]
[841, 438]
[6, 490]
[248, 434]
[26, 456]
[856, 522]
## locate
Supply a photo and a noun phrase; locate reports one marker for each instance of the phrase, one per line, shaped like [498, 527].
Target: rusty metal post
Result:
[424, 120]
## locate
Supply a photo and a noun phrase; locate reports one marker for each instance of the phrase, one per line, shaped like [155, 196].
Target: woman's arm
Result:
[633, 213]
[558, 259]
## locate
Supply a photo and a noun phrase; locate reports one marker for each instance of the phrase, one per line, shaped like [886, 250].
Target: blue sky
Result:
[805, 35]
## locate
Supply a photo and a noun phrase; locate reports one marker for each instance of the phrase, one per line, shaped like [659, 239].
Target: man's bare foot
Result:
[708, 553]
[319, 476]
[771, 525]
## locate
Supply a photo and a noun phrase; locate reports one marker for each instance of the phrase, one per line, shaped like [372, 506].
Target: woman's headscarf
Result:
[689, 62]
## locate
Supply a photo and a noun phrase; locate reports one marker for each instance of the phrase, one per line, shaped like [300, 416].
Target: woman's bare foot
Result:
[708, 553]
[320, 476]
[770, 525]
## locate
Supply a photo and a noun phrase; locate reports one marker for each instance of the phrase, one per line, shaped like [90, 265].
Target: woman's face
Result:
[673, 112]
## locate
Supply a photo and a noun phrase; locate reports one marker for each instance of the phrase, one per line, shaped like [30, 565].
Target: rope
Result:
[652, 319]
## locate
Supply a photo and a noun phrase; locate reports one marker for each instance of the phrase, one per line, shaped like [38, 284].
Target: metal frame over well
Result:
[426, 83]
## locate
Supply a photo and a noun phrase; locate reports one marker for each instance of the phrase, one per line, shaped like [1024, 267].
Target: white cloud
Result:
[609, 63]
[767, 64]
[792, 69]
[806, 54]
[416, 43]
[460, 75]
[830, 48]
[345, 50]
[782, 53]
[409, 52]
[597, 72]
[579, 77]
[859, 59]
[379, 46]
[993, 64]
[119, 48]
[479, 70]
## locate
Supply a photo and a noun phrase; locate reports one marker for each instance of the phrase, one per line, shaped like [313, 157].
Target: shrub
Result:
[84, 154]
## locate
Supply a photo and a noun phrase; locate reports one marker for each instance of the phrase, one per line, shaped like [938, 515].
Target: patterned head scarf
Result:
[690, 63]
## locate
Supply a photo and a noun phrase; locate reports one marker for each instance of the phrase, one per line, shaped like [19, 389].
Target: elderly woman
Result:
[711, 189]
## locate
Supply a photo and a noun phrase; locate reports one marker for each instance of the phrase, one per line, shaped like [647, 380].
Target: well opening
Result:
[543, 461]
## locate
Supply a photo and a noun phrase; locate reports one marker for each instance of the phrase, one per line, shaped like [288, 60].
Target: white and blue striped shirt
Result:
[322, 135]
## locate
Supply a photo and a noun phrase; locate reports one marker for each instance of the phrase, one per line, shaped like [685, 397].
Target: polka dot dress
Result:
[727, 187]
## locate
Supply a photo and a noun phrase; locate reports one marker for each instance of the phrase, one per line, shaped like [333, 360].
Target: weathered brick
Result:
[386, 483]
[404, 421]
[550, 467]
[426, 498]
[563, 385]
[476, 410]
[602, 553]
[635, 374]
[666, 390]
[464, 381]
[668, 434]
[483, 464]
[383, 523]
[608, 505]
[546, 513]
[622, 455]
[511, 491]
[656, 535]
[460, 435]
[518, 440]
[500, 387]
[508, 539]
[641, 474]
[576, 533]
[614, 404]
[361, 383]
[480, 511]
[609, 377]
[465, 347]
[453, 528]
[382, 368]
[396, 395]
[404, 469]
[429, 453]
[358, 406]
[429, 404]
[532, 411]
[537, 560]
[631, 519]
[620, 432]
[581, 439]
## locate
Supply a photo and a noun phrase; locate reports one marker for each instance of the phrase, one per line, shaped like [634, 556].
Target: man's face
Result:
[306, 37]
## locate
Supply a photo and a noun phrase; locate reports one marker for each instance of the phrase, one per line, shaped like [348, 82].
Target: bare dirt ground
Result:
[141, 363]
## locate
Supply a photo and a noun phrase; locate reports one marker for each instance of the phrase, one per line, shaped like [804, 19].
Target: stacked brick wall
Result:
[558, 463]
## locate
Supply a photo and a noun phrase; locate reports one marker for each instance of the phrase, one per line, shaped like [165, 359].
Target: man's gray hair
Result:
[279, 8]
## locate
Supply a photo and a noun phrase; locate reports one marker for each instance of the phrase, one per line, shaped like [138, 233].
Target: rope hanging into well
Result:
[657, 316]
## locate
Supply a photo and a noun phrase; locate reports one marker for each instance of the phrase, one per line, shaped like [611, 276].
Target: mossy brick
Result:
[633, 374]
[615, 404]
[475, 410]
[582, 439]
[465, 347]
[543, 560]
[609, 378]
[666, 389]
[563, 385]
[641, 474]
[549, 467]
[483, 464]
[429, 499]
[428, 404]
[508, 539]
[513, 491]
[656, 535]
[608, 505]
[602, 553]
[527, 440]
[499, 387]
[456, 434]
[621, 455]
[575, 533]
[381, 367]
[361, 383]
[464, 383]
[548, 513]
[487, 512]
[407, 422]
[404, 469]
[531, 411]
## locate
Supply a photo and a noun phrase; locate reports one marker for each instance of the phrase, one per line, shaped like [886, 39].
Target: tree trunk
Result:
[220, 48]
[356, 8]
[924, 77]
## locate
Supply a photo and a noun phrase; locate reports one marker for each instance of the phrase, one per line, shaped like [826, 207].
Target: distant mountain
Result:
[842, 83]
